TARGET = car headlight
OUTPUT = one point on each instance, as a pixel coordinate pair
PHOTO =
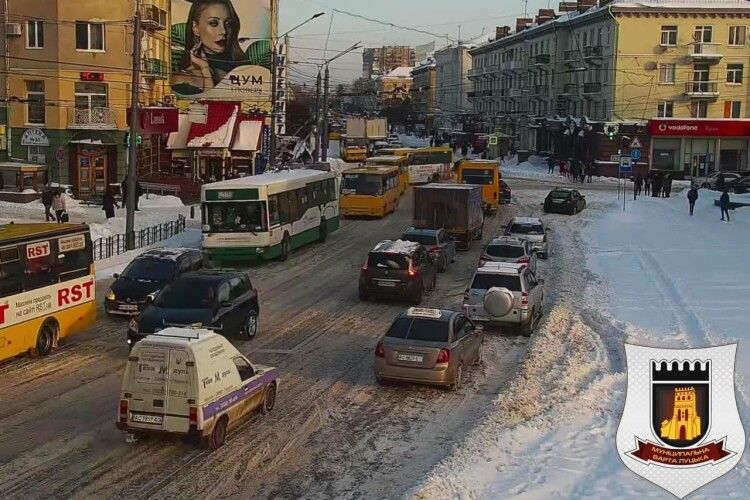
(133, 325)
(110, 295)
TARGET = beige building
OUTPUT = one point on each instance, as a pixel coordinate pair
(69, 80)
(423, 92)
(453, 66)
(395, 86)
(378, 61)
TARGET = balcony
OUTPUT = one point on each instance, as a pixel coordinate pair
(92, 119)
(592, 88)
(541, 90)
(516, 65)
(486, 93)
(503, 92)
(516, 92)
(475, 72)
(155, 69)
(153, 18)
(471, 95)
(705, 52)
(593, 53)
(542, 59)
(570, 89)
(572, 56)
(702, 90)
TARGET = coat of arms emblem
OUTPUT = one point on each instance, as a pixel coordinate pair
(680, 428)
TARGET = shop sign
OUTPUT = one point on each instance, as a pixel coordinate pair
(34, 137)
(156, 120)
(700, 128)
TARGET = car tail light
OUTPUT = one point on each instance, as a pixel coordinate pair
(444, 356)
(193, 417)
(379, 350)
(412, 271)
(123, 410)
(524, 300)
(364, 264)
(523, 260)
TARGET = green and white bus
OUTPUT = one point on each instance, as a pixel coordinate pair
(266, 216)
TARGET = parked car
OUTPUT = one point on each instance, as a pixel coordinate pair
(437, 242)
(532, 230)
(429, 346)
(212, 386)
(146, 274)
(505, 294)
(740, 186)
(714, 181)
(509, 249)
(397, 269)
(217, 299)
(564, 201)
(505, 192)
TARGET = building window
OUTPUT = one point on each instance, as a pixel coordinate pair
(90, 36)
(666, 73)
(35, 103)
(700, 109)
(666, 109)
(737, 35)
(732, 109)
(90, 95)
(734, 73)
(703, 34)
(37, 154)
(668, 36)
(35, 34)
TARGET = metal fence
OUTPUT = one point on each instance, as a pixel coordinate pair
(109, 246)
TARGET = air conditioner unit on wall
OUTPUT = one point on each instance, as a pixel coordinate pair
(12, 29)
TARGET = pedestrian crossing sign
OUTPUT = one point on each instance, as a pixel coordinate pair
(635, 143)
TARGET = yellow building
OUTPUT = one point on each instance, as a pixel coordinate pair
(685, 424)
(395, 87)
(69, 81)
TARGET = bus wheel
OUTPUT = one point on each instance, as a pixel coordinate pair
(323, 230)
(286, 247)
(45, 339)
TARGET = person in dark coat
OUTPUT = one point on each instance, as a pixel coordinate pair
(47, 196)
(637, 186)
(589, 173)
(692, 196)
(550, 165)
(724, 204)
(647, 185)
(656, 186)
(109, 204)
(667, 186)
(583, 172)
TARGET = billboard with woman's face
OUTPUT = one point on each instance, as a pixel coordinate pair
(221, 49)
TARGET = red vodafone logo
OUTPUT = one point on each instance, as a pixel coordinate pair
(663, 127)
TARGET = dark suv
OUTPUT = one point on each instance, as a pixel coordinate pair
(146, 274)
(397, 269)
(223, 300)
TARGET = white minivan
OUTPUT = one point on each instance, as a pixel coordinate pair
(191, 382)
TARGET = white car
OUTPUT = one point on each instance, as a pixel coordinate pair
(532, 230)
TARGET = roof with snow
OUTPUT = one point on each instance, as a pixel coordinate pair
(400, 72)
(268, 178)
(218, 130)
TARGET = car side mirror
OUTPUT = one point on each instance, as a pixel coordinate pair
(116, 275)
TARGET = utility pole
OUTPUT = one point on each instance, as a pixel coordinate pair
(324, 128)
(272, 146)
(133, 134)
(316, 151)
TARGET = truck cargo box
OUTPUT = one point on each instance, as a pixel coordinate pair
(457, 208)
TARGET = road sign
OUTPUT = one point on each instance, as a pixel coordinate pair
(635, 143)
(626, 164)
(614, 158)
(60, 155)
(493, 140)
(635, 154)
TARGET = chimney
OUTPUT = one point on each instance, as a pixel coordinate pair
(501, 32)
(545, 15)
(584, 5)
(567, 7)
(522, 23)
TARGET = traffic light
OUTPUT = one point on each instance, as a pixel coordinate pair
(611, 133)
(138, 139)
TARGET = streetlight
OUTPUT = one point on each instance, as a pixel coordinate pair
(274, 56)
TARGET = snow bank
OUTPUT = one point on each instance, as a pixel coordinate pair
(157, 201)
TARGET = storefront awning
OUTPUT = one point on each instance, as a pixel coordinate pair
(218, 130)
(92, 137)
(248, 136)
(178, 140)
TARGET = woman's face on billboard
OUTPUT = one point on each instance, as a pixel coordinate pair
(212, 27)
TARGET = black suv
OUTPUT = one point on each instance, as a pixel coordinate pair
(146, 274)
(401, 269)
(222, 300)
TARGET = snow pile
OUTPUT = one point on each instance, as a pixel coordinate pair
(157, 201)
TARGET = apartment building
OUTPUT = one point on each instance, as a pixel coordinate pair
(69, 85)
(395, 86)
(563, 80)
(379, 61)
(452, 67)
(424, 83)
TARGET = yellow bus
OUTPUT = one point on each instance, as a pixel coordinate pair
(370, 191)
(429, 164)
(351, 150)
(485, 173)
(47, 286)
(393, 161)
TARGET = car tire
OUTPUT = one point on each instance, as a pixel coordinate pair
(323, 230)
(527, 329)
(480, 355)
(363, 295)
(434, 283)
(250, 328)
(270, 400)
(443, 264)
(45, 340)
(381, 381)
(219, 433)
(286, 247)
(457, 378)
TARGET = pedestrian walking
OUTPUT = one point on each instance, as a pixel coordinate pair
(656, 186)
(583, 173)
(47, 196)
(667, 186)
(109, 204)
(692, 196)
(590, 173)
(58, 205)
(550, 165)
(724, 204)
(647, 185)
(637, 186)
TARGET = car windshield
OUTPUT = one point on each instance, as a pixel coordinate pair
(150, 269)
(425, 330)
(485, 281)
(423, 239)
(238, 217)
(187, 294)
(509, 251)
(388, 261)
(474, 176)
(563, 195)
(364, 184)
(519, 228)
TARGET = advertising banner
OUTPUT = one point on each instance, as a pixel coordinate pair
(700, 128)
(221, 49)
(156, 120)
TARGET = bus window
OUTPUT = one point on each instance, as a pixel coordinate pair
(440, 157)
(39, 271)
(285, 214)
(240, 217)
(11, 272)
(363, 184)
(478, 176)
(273, 210)
(75, 261)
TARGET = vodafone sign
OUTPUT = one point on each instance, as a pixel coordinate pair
(700, 128)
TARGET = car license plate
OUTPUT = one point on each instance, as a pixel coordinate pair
(147, 419)
(128, 307)
(416, 358)
(387, 283)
